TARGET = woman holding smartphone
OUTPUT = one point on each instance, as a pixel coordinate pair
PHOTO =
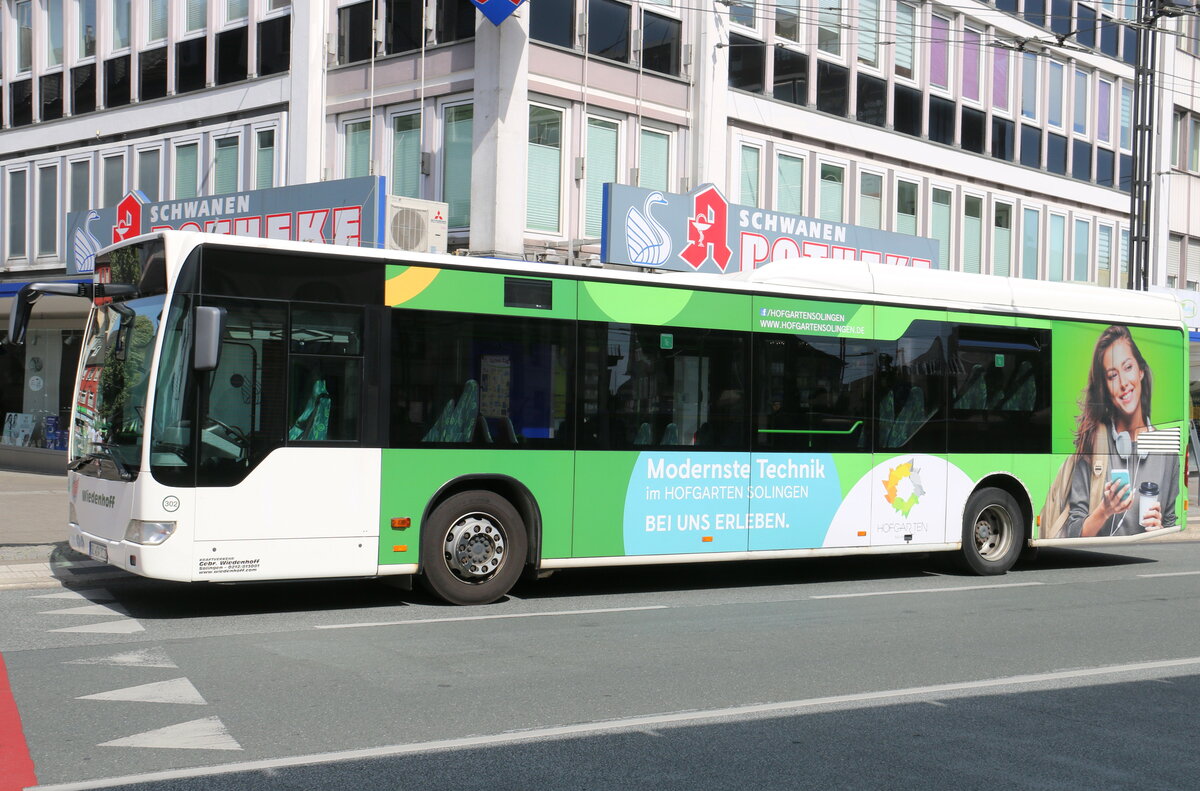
(1137, 490)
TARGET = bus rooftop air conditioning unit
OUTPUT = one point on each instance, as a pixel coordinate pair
(418, 226)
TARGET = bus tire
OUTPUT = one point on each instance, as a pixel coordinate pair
(473, 548)
(993, 532)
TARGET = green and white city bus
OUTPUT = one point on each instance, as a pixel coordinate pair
(259, 410)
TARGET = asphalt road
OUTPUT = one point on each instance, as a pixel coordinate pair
(1079, 671)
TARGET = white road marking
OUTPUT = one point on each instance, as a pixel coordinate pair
(123, 626)
(927, 590)
(91, 594)
(147, 657)
(1172, 574)
(90, 609)
(206, 734)
(178, 690)
(607, 726)
(416, 621)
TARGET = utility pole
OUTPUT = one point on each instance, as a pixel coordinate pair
(1144, 109)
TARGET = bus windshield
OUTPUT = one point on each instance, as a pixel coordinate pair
(110, 406)
(116, 361)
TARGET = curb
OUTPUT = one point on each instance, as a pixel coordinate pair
(63, 567)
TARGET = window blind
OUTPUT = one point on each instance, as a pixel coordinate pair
(406, 156)
(1030, 245)
(789, 184)
(905, 28)
(225, 166)
(1193, 262)
(1104, 255)
(655, 163)
(196, 15)
(456, 172)
(185, 171)
(1083, 250)
(601, 168)
(973, 235)
(868, 31)
(264, 159)
(358, 149)
(750, 166)
(544, 182)
(940, 221)
(1002, 241)
(1056, 246)
(831, 193)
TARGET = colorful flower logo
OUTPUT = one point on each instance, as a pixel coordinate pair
(891, 485)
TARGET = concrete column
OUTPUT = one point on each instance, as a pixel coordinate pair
(710, 92)
(501, 135)
(306, 98)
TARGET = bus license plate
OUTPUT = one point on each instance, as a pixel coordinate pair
(98, 551)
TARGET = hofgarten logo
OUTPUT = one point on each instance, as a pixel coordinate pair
(892, 484)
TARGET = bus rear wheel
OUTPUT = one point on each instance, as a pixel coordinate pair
(993, 532)
(472, 548)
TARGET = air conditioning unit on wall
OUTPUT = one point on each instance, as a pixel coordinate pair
(417, 226)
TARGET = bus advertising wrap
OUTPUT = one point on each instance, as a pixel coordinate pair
(702, 232)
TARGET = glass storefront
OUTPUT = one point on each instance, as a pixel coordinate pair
(36, 389)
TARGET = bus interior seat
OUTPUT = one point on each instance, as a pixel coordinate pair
(887, 419)
(643, 435)
(1023, 393)
(510, 432)
(485, 433)
(437, 431)
(313, 422)
(973, 394)
(670, 435)
(461, 426)
(911, 417)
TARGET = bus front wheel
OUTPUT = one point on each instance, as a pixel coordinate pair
(993, 532)
(472, 548)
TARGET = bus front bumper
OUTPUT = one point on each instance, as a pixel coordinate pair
(144, 560)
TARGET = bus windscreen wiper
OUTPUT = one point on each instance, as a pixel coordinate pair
(110, 453)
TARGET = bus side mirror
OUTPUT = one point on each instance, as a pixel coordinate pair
(210, 326)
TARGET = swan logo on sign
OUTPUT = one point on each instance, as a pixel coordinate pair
(646, 240)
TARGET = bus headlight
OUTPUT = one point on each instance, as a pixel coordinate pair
(139, 532)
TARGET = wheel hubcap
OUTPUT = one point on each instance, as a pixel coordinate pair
(475, 547)
(993, 532)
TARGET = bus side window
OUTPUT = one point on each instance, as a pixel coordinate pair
(325, 374)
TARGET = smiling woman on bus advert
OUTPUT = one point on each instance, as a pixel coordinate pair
(1110, 486)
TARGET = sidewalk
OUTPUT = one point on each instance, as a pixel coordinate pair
(33, 534)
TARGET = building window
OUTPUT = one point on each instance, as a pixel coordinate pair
(1030, 243)
(1056, 250)
(85, 19)
(747, 63)
(1104, 255)
(80, 175)
(1002, 240)
(264, 159)
(23, 13)
(939, 221)
(187, 163)
(406, 155)
(654, 160)
(870, 200)
(455, 20)
(742, 12)
(156, 21)
(788, 19)
(791, 76)
(152, 65)
(906, 207)
(789, 184)
(18, 196)
(149, 166)
(226, 165)
(1104, 111)
(456, 170)
(601, 167)
(121, 18)
(939, 52)
(274, 45)
(112, 182)
(47, 210)
(1054, 94)
(1000, 66)
(1193, 265)
(195, 15)
(829, 26)
(1194, 144)
(54, 32)
(356, 161)
(543, 187)
(660, 43)
(1082, 91)
(972, 232)
(354, 37)
(553, 21)
(868, 32)
(608, 30)
(906, 24)
(1029, 86)
(970, 67)
(832, 192)
(1082, 250)
(1035, 12)
(1126, 117)
(404, 31)
(236, 10)
(751, 166)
